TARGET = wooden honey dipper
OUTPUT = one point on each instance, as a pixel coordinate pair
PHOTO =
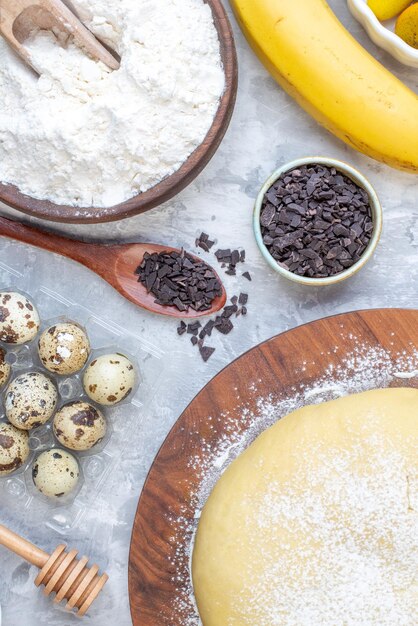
(61, 572)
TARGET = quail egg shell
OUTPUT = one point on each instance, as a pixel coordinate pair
(14, 448)
(55, 473)
(5, 368)
(64, 348)
(79, 426)
(30, 400)
(19, 319)
(109, 379)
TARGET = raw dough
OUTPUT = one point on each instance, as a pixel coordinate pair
(316, 524)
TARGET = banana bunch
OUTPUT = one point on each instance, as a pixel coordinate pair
(316, 60)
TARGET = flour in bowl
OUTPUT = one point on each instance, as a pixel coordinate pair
(84, 135)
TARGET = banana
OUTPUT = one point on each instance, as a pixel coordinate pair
(317, 61)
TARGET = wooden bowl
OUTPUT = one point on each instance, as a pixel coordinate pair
(160, 587)
(170, 186)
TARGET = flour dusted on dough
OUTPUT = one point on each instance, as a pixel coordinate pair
(316, 523)
(84, 135)
(358, 569)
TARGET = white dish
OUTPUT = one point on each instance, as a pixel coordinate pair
(383, 34)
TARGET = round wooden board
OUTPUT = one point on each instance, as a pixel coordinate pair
(293, 360)
(170, 186)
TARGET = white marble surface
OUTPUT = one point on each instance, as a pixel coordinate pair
(268, 129)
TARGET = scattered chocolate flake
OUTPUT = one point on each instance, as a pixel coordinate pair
(208, 327)
(206, 352)
(204, 242)
(315, 221)
(235, 258)
(204, 246)
(223, 325)
(193, 328)
(230, 258)
(247, 275)
(182, 328)
(223, 255)
(177, 279)
(229, 310)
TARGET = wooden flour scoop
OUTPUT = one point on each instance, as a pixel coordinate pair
(61, 572)
(19, 17)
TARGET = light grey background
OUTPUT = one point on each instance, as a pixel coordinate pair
(268, 129)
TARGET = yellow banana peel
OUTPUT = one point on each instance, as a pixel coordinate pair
(316, 60)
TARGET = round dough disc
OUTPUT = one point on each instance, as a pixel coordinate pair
(316, 523)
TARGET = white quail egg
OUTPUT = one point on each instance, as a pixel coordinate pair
(109, 379)
(79, 426)
(4, 368)
(30, 400)
(14, 448)
(64, 348)
(55, 473)
(19, 319)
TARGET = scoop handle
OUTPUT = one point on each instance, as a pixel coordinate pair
(17, 17)
(23, 548)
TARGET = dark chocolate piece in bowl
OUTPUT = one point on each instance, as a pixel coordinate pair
(317, 221)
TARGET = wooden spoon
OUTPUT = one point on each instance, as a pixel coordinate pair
(116, 263)
(19, 17)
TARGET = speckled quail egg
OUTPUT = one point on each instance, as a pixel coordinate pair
(109, 379)
(64, 348)
(19, 319)
(30, 400)
(55, 473)
(14, 448)
(79, 426)
(5, 368)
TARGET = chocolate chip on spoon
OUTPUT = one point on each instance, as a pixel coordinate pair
(178, 279)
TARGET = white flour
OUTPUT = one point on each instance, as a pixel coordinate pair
(84, 135)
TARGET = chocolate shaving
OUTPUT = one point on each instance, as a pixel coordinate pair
(315, 221)
(180, 280)
(206, 352)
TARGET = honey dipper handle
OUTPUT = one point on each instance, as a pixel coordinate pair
(22, 548)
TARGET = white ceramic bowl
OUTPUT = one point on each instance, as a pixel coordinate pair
(377, 216)
(382, 35)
